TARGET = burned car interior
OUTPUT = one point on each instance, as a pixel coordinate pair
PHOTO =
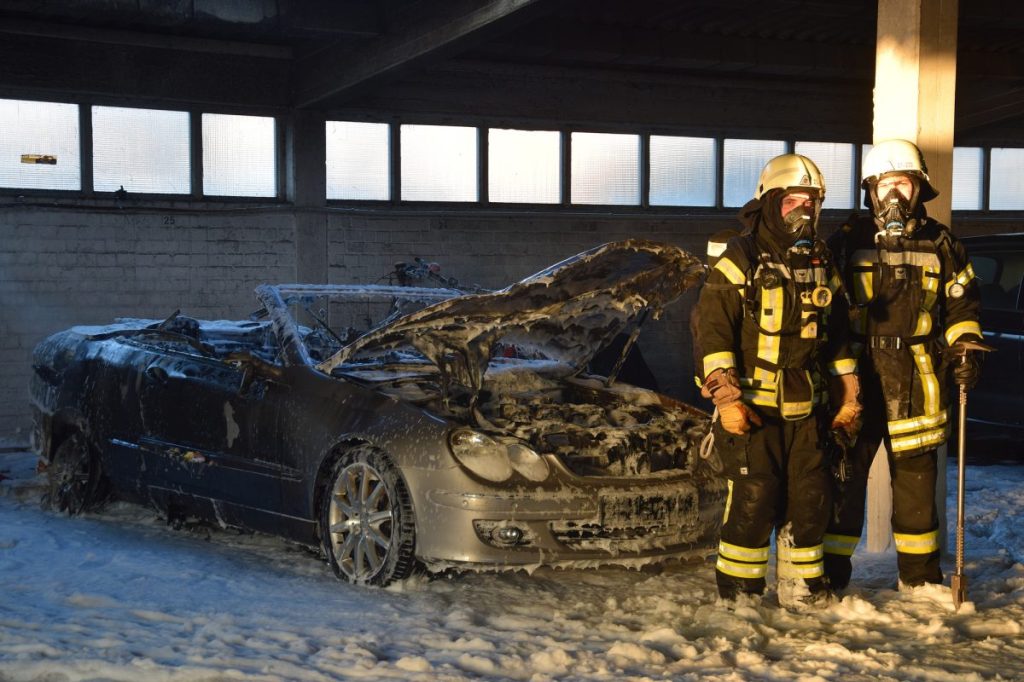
(395, 426)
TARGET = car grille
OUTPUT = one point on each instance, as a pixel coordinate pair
(634, 523)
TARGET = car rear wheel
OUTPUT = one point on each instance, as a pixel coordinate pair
(366, 520)
(74, 478)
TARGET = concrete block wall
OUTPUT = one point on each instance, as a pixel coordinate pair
(64, 267)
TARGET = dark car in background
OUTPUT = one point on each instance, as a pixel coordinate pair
(995, 408)
(461, 431)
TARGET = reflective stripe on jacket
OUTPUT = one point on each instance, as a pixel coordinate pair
(781, 321)
(912, 298)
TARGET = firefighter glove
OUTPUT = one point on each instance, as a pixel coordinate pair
(844, 392)
(738, 418)
(722, 386)
(966, 368)
(847, 419)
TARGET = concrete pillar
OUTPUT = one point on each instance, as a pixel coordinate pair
(915, 85)
(306, 188)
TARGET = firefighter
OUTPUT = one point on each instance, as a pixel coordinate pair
(914, 295)
(770, 327)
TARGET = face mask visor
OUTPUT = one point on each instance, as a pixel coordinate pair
(894, 213)
(801, 222)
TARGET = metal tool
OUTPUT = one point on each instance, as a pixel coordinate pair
(958, 583)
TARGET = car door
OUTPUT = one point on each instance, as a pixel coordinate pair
(204, 431)
(998, 398)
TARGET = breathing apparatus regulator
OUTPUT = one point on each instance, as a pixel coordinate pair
(896, 215)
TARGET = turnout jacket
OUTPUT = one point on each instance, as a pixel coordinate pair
(779, 318)
(912, 297)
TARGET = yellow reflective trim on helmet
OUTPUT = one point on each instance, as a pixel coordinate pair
(731, 271)
(917, 543)
(842, 545)
(960, 328)
(748, 554)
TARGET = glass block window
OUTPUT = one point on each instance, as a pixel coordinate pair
(968, 170)
(358, 160)
(835, 161)
(682, 171)
(605, 168)
(39, 145)
(439, 163)
(239, 156)
(524, 166)
(1006, 184)
(146, 151)
(741, 165)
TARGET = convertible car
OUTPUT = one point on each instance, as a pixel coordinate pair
(461, 431)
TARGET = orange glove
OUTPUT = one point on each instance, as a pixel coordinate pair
(847, 419)
(737, 417)
(722, 386)
(844, 391)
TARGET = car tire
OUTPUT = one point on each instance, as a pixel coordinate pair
(74, 477)
(367, 523)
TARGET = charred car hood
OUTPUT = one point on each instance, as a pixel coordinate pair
(564, 314)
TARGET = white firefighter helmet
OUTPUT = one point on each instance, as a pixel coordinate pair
(897, 156)
(790, 171)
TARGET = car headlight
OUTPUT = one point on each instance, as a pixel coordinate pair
(532, 466)
(494, 461)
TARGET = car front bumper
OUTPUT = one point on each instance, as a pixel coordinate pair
(610, 522)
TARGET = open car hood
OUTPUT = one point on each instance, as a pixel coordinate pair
(564, 314)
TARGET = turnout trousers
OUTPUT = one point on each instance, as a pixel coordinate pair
(914, 518)
(778, 475)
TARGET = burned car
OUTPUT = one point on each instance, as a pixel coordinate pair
(462, 431)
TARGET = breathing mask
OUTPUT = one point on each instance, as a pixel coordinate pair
(797, 227)
(800, 222)
(894, 213)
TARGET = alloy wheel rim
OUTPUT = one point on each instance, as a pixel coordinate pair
(72, 479)
(360, 519)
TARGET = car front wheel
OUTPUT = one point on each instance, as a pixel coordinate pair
(366, 519)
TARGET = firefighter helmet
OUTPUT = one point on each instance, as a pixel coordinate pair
(790, 171)
(897, 156)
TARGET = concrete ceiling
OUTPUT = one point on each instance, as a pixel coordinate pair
(663, 63)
